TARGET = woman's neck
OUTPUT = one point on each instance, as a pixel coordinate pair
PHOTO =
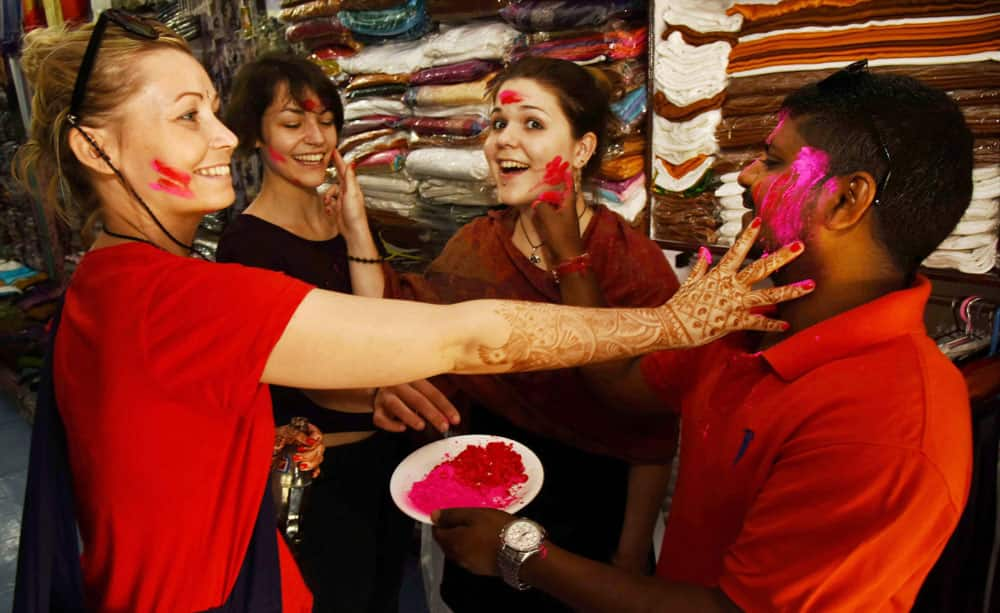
(138, 227)
(295, 208)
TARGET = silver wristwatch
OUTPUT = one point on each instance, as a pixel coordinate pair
(519, 540)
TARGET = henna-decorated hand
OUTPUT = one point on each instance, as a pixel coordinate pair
(713, 303)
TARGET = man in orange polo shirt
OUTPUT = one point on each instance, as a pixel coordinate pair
(822, 469)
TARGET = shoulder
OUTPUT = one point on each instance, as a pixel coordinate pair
(250, 240)
(900, 394)
(634, 270)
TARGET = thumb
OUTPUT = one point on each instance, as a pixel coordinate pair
(449, 518)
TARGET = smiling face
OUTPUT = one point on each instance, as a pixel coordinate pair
(784, 184)
(528, 129)
(297, 138)
(169, 142)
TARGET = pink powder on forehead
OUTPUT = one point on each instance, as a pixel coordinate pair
(509, 96)
(310, 105)
(480, 476)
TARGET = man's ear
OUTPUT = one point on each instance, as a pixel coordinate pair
(85, 152)
(584, 149)
(845, 200)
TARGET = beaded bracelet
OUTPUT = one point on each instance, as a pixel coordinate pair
(580, 263)
(352, 258)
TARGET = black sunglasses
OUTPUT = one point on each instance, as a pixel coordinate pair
(840, 80)
(126, 21)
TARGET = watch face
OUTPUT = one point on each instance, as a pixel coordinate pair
(523, 536)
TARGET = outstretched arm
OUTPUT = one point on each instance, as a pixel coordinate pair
(334, 340)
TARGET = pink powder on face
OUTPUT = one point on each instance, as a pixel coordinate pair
(275, 156)
(784, 205)
(509, 96)
(480, 476)
(172, 181)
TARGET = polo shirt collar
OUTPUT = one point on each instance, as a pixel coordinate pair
(895, 314)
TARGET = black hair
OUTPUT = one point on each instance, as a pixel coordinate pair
(859, 118)
(254, 88)
(582, 94)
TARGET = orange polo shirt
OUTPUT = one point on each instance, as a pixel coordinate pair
(824, 474)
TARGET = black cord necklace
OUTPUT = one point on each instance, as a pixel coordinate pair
(128, 237)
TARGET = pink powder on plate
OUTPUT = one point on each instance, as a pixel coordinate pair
(480, 476)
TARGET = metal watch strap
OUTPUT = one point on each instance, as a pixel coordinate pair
(509, 561)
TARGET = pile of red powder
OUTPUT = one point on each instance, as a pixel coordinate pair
(480, 476)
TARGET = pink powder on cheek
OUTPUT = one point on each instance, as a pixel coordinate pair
(786, 200)
(509, 96)
(275, 156)
(480, 476)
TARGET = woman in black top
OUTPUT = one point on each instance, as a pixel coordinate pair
(286, 111)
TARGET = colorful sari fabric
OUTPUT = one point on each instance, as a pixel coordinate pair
(482, 262)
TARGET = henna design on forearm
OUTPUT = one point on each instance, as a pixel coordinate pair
(706, 307)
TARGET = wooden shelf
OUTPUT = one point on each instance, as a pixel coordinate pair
(692, 247)
(990, 279)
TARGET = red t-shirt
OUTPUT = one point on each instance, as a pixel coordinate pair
(824, 474)
(157, 376)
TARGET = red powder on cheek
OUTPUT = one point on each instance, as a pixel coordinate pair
(275, 156)
(172, 181)
(553, 198)
(555, 171)
(509, 96)
(480, 476)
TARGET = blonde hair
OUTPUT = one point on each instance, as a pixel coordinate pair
(51, 58)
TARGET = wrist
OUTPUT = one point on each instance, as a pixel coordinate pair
(575, 265)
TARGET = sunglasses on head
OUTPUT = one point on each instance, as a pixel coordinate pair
(126, 21)
(840, 81)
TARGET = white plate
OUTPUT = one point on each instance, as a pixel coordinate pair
(416, 466)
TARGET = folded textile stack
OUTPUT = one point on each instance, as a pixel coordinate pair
(950, 45)
(693, 42)
(972, 245)
(775, 47)
(425, 99)
(610, 36)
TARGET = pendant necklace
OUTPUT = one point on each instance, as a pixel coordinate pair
(534, 258)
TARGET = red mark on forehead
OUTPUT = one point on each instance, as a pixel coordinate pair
(509, 96)
(275, 156)
(172, 181)
(310, 104)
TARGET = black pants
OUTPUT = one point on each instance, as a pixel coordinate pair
(581, 506)
(354, 538)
